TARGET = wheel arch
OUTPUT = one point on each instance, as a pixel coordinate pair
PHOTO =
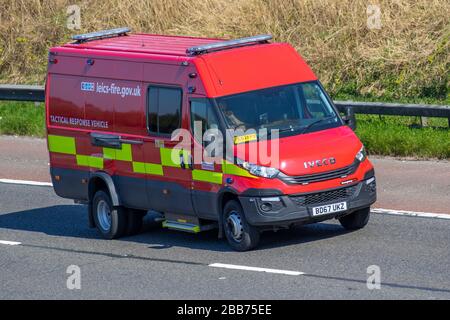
(102, 180)
(98, 181)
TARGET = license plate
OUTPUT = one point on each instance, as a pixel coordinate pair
(329, 208)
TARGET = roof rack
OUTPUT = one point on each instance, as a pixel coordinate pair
(197, 50)
(80, 38)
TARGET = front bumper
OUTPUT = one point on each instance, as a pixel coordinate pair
(286, 210)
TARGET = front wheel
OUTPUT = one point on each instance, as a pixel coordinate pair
(356, 220)
(240, 235)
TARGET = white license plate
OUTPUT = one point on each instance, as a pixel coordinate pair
(329, 208)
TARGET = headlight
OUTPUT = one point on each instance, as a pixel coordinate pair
(361, 155)
(265, 172)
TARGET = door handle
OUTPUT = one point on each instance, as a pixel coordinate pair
(189, 162)
(130, 141)
(182, 165)
(105, 140)
(110, 140)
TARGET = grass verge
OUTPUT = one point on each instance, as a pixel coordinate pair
(403, 136)
(385, 135)
(22, 118)
(407, 57)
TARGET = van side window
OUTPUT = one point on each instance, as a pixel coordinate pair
(164, 109)
(202, 117)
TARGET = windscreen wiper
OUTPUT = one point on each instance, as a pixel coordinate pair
(289, 129)
(316, 122)
(294, 128)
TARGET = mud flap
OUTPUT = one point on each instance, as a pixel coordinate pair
(91, 222)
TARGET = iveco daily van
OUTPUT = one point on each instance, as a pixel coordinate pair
(114, 100)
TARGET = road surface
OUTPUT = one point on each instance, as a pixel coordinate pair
(42, 235)
(413, 255)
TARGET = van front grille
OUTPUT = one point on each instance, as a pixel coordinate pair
(328, 175)
(341, 194)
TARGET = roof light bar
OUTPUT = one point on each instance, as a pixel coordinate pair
(101, 34)
(197, 50)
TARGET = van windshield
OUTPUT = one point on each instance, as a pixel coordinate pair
(291, 109)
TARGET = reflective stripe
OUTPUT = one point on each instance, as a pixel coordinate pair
(89, 161)
(153, 168)
(207, 176)
(166, 156)
(139, 167)
(123, 154)
(148, 168)
(217, 177)
(230, 168)
(67, 145)
(61, 144)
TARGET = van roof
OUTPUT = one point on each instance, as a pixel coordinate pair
(146, 43)
(252, 64)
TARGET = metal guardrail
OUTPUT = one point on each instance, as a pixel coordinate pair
(18, 92)
(392, 109)
(350, 108)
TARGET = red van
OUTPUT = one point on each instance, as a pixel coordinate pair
(114, 100)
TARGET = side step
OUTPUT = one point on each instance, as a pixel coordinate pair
(185, 223)
(181, 226)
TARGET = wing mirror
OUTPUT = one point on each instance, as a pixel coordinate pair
(349, 118)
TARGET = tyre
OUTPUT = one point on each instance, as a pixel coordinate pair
(134, 223)
(110, 221)
(240, 235)
(356, 220)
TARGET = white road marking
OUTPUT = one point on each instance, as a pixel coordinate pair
(10, 243)
(26, 182)
(236, 267)
(411, 213)
(374, 210)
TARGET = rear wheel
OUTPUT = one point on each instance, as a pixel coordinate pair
(356, 220)
(240, 235)
(135, 219)
(110, 221)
